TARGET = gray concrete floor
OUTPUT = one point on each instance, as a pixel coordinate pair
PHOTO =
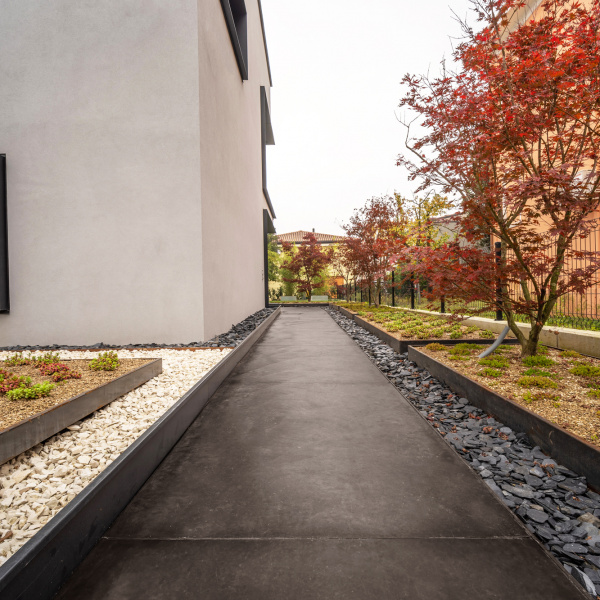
(309, 476)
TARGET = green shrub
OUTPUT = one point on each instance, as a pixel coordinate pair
(455, 335)
(536, 381)
(529, 397)
(28, 393)
(10, 381)
(487, 334)
(594, 393)
(435, 347)
(538, 361)
(542, 350)
(570, 354)
(583, 370)
(17, 360)
(45, 359)
(498, 362)
(536, 371)
(437, 333)
(458, 357)
(106, 361)
(490, 372)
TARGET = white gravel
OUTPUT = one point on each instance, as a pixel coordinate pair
(35, 485)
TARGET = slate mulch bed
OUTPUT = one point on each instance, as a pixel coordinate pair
(561, 386)
(14, 411)
(406, 324)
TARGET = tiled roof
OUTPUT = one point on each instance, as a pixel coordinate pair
(298, 237)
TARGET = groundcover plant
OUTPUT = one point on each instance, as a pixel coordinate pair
(562, 386)
(412, 325)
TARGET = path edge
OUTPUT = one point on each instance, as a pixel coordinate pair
(38, 569)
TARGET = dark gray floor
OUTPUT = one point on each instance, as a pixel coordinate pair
(309, 476)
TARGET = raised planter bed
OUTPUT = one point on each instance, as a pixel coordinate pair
(39, 568)
(24, 435)
(571, 450)
(401, 346)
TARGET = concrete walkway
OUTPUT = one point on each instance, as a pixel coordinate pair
(308, 476)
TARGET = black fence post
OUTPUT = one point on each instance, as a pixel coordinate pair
(369, 294)
(380, 296)
(412, 292)
(499, 315)
(393, 290)
(443, 305)
(361, 294)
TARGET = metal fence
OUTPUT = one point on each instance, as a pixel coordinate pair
(577, 311)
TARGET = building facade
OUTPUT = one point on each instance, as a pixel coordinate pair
(134, 136)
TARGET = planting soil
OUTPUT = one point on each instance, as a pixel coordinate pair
(408, 325)
(12, 411)
(561, 386)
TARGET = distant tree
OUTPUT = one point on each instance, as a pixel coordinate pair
(305, 264)
(273, 256)
(515, 135)
(374, 234)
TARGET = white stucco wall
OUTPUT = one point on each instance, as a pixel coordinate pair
(232, 197)
(134, 171)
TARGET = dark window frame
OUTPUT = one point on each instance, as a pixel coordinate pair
(236, 18)
(4, 291)
(266, 139)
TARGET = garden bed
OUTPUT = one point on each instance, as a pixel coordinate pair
(518, 411)
(13, 412)
(561, 386)
(26, 422)
(380, 326)
(404, 324)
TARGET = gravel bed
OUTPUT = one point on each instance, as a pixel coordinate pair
(37, 484)
(232, 338)
(555, 503)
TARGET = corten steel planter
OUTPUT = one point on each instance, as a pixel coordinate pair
(40, 567)
(401, 346)
(24, 435)
(567, 448)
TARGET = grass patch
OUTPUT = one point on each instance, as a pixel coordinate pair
(538, 361)
(491, 372)
(583, 370)
(435, 347)
(537, 372)
(570, 354)
(497, 362)
(536, 381)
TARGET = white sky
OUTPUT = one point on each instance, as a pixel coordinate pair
(337, 67)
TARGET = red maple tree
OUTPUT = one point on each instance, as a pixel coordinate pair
(306, 264)
(514, 134)
(374, 236)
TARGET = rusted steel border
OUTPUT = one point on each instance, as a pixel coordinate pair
(39, 568)
(31, 431)
(569, 449)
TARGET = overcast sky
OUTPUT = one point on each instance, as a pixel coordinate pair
(337, 67)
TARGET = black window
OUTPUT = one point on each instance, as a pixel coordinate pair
(4, 297)
(267, 139)
(237, 24)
